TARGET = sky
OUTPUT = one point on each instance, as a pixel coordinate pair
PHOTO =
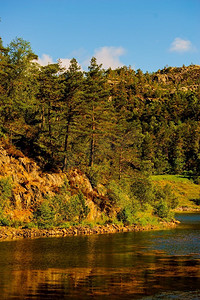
(144, 34)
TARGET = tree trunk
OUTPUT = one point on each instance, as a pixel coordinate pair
(65, 160)
(92, 145)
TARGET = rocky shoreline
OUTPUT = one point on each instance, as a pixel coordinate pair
(187, 209)
(9, 233)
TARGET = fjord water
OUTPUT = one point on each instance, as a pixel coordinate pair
(162, 264)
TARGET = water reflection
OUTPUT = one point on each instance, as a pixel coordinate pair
(126, 266)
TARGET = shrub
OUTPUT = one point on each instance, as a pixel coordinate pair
(5, 192)
(142, 189)
(162, 210)
(116, 194)
(126, 215)
(4, 221)
(5, 196)
(45, 215)
(76, 208)
(68, 207)
(165, 194)
(30, 225)
(93, 176)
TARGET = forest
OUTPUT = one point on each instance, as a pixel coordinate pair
(118, 127)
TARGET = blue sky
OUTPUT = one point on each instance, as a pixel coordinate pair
(145, 34)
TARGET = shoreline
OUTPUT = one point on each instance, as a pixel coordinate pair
(10, 234)
(182, 209)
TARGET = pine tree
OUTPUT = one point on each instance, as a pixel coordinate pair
(48, 111)
(20, 87)
(72, 108)
(98, 114)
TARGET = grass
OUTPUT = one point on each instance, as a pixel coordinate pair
(172, 178)
(184, 188)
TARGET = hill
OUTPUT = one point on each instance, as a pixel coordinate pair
(184, 188)
(81, 146)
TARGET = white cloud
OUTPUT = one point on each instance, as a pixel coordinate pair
(45, 60)
(180, 45)
(109, 57)
(64, 63)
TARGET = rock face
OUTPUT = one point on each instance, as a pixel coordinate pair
(30, 185)
(184, 76)
(78, 180)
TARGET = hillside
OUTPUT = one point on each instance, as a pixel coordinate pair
(185, 78)
(30, 196)
(82, 146)
(185, 190)
(108, 123)
(23, 187)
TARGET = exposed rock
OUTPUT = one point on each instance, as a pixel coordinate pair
(78, 180)
(30, 185)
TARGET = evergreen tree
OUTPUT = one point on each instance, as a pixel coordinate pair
(4, 67)
(72, 109)
(99, 113)
(48, 112)
(20, 87)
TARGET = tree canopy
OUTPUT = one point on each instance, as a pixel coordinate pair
(114, 121)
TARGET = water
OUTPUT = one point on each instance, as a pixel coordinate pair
(139, 265)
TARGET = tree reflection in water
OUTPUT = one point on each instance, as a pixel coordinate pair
(146, 265)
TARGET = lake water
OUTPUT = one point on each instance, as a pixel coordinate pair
(138, 265)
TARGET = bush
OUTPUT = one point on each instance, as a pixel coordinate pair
(93, 176)
(120, 195)
(142, 189)
(30, 225)
(76, 208)
(196, 179)
(165, 194)
(116, 194)
(162, 210)
(5, 192)
(45, 215)
(61, 208)
(126, 215)
(4, 221)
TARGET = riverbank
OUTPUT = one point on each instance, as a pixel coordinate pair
(186, 209)
(9, 233)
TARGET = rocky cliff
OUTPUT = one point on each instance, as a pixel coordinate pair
(30, 186)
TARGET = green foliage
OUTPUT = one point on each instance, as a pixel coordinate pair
(30, 225)
(166, 195)
(4, 220)
(45, 214)
(76, 208)
(61, 209)
(142, 189)
(94, 175)
(165, 201)
(120, 195)
(162, 210)
(5, 192)
(120, 126)
(115, 193)
(127, 215)
(5, 199)
(121, 119)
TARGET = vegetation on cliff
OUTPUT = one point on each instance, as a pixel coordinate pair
(82, 146)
